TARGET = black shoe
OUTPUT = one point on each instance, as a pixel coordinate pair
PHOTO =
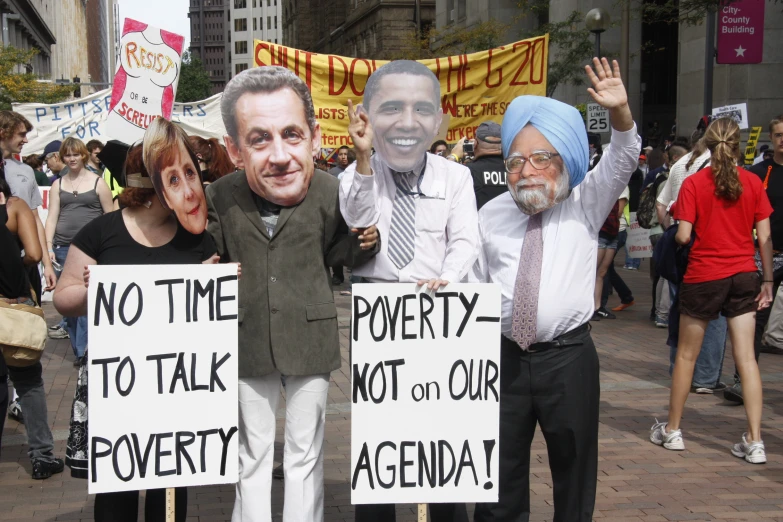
(596, 316)
(77, 362)
(336, 281)
(770, 349)
(43, 469)
(734, 393)
(277, 473)
(605, 314)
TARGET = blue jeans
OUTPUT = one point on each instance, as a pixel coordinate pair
(29, 384)
(709, 364)
(75, 326)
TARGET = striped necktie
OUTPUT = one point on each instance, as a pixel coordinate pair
(524, 317)
(403, 223)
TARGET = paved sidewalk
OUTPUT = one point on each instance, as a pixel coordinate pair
(637, 481)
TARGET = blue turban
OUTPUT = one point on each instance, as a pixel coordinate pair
(561, 124)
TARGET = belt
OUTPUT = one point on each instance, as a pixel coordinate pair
(570, 338)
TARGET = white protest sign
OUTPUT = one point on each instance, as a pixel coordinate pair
(85, 118)
(145, 82)
(597, 118)
(739, 112)
(162, 390)
(425, 394)
(638, 241)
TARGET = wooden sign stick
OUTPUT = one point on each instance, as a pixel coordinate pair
(422, 513)
(170, 505)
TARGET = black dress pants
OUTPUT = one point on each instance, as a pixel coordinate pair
(123, 506)
(386, 513)
(558, 389)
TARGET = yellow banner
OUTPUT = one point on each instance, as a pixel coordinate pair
(474, 88)
(750, 149)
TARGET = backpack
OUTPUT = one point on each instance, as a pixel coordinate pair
(645, 215)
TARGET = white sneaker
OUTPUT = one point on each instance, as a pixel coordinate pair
(58, 332)
(752, 452)
(671, 440)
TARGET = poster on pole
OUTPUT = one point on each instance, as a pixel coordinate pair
(425, 393)
(738, 112)
(638, 242)
(740, 32)
(145, 82)
(163, 376)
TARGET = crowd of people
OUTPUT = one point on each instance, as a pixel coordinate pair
(532, 203)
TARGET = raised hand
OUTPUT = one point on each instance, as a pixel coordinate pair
(359, 129)
(608, 89)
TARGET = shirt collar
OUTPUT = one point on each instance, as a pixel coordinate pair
(412, 175)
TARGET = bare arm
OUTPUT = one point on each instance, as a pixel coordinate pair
(53, 217)
(621, 206)
(104, 195)
(70, 297)
(764, 298)
(27, 231)
(684, 230)
(663, 215)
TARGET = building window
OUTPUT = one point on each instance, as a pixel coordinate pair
(240, 47)
(240, 4)
(269, 22)
(275, 22)
(240, 67)
(254, 4)
(255, 24)
(240, 24)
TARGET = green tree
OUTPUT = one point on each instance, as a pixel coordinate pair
(25, 87)
(194, 83)
(570, 45)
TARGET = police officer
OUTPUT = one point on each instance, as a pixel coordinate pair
(488, 169)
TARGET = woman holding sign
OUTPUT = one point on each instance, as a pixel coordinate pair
(145, 231)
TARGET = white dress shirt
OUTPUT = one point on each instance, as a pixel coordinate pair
(446, 243)
(677, 174)
(570, 235)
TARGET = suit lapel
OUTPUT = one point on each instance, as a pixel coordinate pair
(244, 198)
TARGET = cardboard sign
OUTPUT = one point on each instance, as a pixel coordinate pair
(638, 240)
(738, 112)
(741, 32)
(750, 148)
(145, 82)
(163, 376)
(597, 118)
(425, 393)
(474, 87)
(85, 118)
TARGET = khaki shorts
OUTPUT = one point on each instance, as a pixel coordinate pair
(732, 296)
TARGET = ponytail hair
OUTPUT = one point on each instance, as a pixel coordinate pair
(723, 140)
(215, 157)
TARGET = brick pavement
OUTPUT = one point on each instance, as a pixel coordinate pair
(637, 481)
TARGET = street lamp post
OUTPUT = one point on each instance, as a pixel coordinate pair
(597, 21)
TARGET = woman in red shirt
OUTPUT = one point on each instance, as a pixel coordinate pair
(720, 205)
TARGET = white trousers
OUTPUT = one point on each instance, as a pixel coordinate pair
(303, 459)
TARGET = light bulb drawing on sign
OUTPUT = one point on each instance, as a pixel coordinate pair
(145, 82)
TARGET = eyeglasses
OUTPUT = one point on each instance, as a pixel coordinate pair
(50, 156)
(540, 159)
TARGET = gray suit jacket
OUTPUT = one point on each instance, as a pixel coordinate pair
(287, 315)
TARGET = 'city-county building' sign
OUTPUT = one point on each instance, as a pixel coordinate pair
(741, 32)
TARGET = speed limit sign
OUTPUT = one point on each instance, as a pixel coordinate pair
(597, 118)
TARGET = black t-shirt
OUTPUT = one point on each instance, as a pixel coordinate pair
(107, 240)
(13, 274)
(635, 188)
(773, 173)
(489, 178)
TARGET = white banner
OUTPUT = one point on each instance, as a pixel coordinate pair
(163, 376)
(85, 118)
(425, 393)
(638, 241)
